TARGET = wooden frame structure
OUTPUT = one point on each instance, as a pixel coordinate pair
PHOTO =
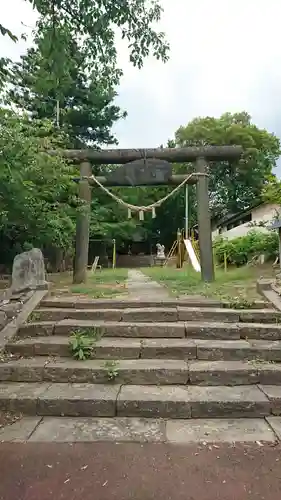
(199, 155)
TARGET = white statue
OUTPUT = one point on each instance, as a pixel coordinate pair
(160, 251)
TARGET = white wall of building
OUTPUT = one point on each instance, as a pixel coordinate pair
(264, 213)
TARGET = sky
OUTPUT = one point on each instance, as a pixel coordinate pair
(225, 56)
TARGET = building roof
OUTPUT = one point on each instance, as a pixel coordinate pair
(233, 217)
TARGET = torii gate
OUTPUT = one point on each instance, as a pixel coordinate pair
(147, 167)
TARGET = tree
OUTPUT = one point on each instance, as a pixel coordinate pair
(72, 73)
(4, 61)
(272, 190)
(96, 21)
(70, 76)
(37, 194)
(234, 185)
(65, 89)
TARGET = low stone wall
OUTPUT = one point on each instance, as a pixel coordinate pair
(11, 305)
(134, 261)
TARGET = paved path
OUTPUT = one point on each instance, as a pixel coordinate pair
(107, 471)
(142, 287)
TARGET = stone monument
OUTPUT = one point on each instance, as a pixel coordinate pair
(160, 251)
(29, 272)
(160, 258)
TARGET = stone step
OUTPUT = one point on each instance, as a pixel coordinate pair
(191, 329)
(141, 371)
(144, 430)
(98, 400)
(189, 301)
(107, 329)
(160, 314)
(106, 348)
(169, 348)
(80, 303)
(126, 371)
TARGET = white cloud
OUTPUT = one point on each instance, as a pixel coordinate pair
(225, 56)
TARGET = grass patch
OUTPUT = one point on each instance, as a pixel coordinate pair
(107, 283)
(236, 283)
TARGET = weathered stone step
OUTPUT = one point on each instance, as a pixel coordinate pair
(169, 348)
(126, 371)
(106, 348)
(192, 402)
(80, 303)
(107, 329)
(158, 314)
(141, 371)
(97, 400)
(143, 430)
(191, 329)
(234, 373)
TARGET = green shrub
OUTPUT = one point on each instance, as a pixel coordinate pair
(241, 250)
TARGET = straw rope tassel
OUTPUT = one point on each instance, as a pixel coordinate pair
(135, 208)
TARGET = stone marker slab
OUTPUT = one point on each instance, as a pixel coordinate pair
(212, 330)
(29, 271)
(153, 314)
(223, 373)
(153, 401)
(20, 431)
(79, 400)
(219, 431)
(206, 314)
(169, 348)
(68, 430)
(273, 393)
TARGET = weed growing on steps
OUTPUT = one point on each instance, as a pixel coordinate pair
(33, 317)
(82, 343)
(239, 302)
(111, 367)
(261, 361)
(80, 346)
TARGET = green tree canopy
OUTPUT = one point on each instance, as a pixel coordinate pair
(37, 196)
(96, 22)
(65, 88)
(234, 185)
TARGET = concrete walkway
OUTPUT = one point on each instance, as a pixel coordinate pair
(141, 287)
(108, 471)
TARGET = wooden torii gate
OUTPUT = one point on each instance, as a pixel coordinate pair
(134, 173)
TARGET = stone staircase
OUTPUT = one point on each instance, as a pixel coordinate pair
(169, 360)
